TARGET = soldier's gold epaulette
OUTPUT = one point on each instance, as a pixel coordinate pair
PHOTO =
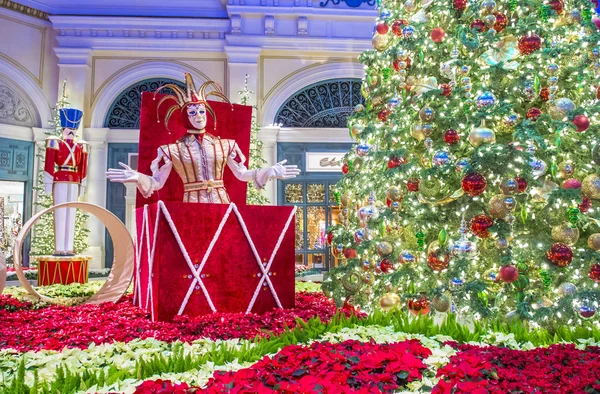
(52, 142)
(85, 146)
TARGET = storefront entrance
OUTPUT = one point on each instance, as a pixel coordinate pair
(314, 198)
(16, 175)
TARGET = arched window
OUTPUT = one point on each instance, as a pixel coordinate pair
(124, 113)
(326, 104)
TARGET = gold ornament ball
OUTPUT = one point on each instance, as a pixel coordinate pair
(561, 108)
(427, 114)
(498, 207)
(381, 41)
(345, 199)
(482, 135)
(565, 233)
(417, 132)
(384, 248)
(566, 169)
(393, 193)
(377, 100)
(591, 186)
(389, 301)
(357, 128)
(441, 303)
(594, 241)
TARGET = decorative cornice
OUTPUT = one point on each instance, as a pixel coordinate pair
(126, 33)
(22, 9)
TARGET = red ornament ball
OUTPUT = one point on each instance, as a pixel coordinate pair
(556, 5)
(509, 273)
(386, 266)
(560, 254)
(446, 90)
(451, 137)
(522, 184)
(530, 44)
(383, 115)
(478, 25)
(329, 238)
(397, 27)
(474, 184)
(413, 185)
(533, 113)
(437, 35)
(408, 62)
(382, 28)
(438, 260)
(571, 183)
(350, 254)
(345, 168)
(585, 205)
(419, 306)
(544, 94)
(501, 22)
(480, 225)
(581, 122)
(594, 273)
(459, 5)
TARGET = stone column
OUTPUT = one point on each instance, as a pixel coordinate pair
(96, 190)
(74, 67)
(39, 137)
(268, 136)
(242, 61)
(130, 197)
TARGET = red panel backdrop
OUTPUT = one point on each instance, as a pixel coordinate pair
(233, 122)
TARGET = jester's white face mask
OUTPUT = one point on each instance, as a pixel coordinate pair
(69, 134)
(197, 116)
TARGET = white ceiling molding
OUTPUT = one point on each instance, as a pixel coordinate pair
(159, 8)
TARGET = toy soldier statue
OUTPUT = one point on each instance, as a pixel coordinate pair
(65, 172)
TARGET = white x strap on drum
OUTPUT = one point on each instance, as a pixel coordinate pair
(265, 270)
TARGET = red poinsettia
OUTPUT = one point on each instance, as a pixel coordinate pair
(56, 327)
(347, 367)
(557, 369)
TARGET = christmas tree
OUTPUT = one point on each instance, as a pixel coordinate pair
(43, 231)
(254, 196)
(473, 184)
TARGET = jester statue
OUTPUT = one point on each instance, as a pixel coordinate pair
(199, 158)
(65, 173)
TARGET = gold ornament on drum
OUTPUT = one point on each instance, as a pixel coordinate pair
(566, 169)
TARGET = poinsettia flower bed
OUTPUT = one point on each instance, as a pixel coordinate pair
(350, 366)
(57, 327)
(556, 369)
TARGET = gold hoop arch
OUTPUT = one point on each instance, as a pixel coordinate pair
(124, 251)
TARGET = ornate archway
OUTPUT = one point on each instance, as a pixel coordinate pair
(326, 104)
(124, 112)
